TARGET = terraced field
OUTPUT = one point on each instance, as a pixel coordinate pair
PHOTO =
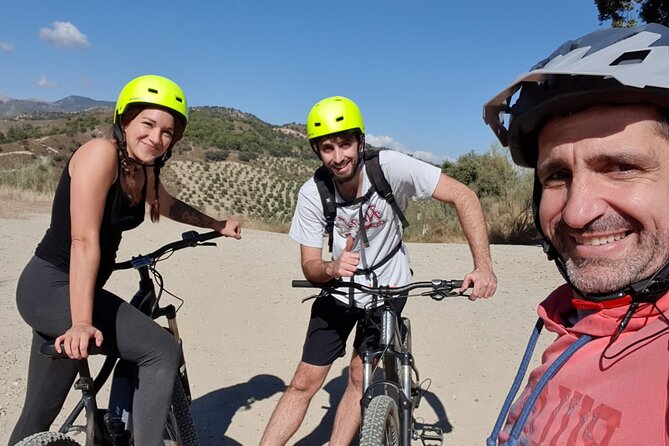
(264, 190)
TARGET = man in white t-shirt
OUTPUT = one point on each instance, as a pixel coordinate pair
(367, 246)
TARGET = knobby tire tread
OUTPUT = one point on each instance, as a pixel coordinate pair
(48, 439)
(180, 419)
(381, 426)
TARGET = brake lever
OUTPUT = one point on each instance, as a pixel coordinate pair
(439, 295)
(316, 296)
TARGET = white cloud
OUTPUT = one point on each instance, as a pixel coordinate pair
(430, 157)
(44, 82)
(64, 34)
(6, 46)
(385, 141)
(390, 143)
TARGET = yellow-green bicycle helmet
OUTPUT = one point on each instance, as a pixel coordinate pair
(332, 115)
(156, 90)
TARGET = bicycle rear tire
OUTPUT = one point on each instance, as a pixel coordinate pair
(179, 426)
(48, 439)
(381, 426)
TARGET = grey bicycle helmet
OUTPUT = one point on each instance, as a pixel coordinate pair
(610, 66)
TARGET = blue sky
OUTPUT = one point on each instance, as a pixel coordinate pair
(419, 70)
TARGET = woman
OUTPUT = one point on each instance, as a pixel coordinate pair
(101, 193)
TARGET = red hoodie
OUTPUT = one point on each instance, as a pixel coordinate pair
(592, 400)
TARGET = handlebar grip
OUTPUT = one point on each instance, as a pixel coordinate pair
(123, 265)
(303, 284)
(458, 283)
(205, 236)
(48, 349)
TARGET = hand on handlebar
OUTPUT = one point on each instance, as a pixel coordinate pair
(346, 264)
(229, 228)
(484, 283)
(75, 340)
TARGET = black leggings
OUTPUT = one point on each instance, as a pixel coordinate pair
(42, 297)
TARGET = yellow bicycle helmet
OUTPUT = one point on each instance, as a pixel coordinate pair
(156, 90)
(332, 115)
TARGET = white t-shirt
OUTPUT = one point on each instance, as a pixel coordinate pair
(409, 178)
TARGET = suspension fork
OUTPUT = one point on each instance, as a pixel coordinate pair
(391, 338)
(146, 300)
(405, 398)
(402, 388)
(368, 359)
(170, 314)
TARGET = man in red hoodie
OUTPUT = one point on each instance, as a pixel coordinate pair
(592, 120)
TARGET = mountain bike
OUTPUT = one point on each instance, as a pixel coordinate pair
(388, 403)
(113, 426)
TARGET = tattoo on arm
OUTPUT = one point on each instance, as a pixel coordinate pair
(184, 213)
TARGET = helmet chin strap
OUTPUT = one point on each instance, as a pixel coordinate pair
(646, 290)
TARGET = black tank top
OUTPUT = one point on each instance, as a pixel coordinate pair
(118, 216)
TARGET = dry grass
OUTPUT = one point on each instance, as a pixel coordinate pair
(262, 195)
(18, 203)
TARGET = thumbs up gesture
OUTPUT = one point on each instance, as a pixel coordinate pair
(349, 243)
(347, 262)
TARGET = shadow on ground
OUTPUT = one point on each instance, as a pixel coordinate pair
(214, 411)
(335, 388)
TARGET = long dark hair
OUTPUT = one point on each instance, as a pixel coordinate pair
(128, 166)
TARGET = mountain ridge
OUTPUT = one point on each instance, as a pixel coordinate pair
(11, 108)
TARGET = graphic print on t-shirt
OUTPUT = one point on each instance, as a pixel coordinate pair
(350, 226)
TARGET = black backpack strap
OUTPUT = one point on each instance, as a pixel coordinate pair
(326, 191)
(379, 182)
(371, 271)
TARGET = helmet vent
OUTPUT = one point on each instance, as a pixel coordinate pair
(178, 99)
(153, 90)
(631, 57)
(339, 118)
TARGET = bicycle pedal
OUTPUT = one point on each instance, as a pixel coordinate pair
(431, 436)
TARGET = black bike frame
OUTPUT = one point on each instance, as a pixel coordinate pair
(390, 342)
(146, 300)
(394, 357)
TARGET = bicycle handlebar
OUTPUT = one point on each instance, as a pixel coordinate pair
(188, 239)
(438, 288)
(49, 349)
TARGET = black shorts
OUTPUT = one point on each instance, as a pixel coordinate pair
(330, 325)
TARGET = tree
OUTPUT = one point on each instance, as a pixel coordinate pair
(624, 13)
(489, 174)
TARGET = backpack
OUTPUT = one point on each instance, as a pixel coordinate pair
(380, 185)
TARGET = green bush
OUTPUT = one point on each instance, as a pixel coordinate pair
(216, 155)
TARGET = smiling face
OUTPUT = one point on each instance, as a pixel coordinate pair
(149, 134)
(605, 195)
(339, 154)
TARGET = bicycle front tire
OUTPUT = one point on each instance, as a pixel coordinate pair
(381, 426)
(179, 427)
(48, 439)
